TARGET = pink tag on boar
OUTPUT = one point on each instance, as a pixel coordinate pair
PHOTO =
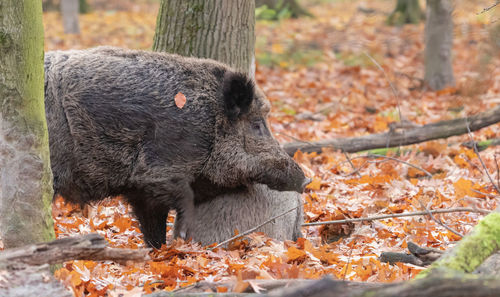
(180, 100)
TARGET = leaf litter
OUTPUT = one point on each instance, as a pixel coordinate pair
(318, 67)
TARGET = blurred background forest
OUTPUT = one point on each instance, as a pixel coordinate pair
(341, 69)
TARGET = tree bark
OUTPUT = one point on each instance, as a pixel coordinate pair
(220, 30)
(26, 179)
(423, 133)
(406, 12)
(438, 44)
(69, 11)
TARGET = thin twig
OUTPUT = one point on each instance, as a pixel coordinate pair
(399, 215)
(354, 169)
(484, 194)
(474, 146)
(488, 8)
(357, 169)
(372, 156)
(439, 221)
(349, 160)
(348, 263)
(401, 161)
(253, 229)
(498, 169)
(394, 91)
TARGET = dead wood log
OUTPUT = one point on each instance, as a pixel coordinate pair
(266, 285)
(437, 285)
(24, 270)
(418, 255)
(442, 129)
(86, 247)
(31, 281)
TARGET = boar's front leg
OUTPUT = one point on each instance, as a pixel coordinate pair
(153, 200)
(152, 220)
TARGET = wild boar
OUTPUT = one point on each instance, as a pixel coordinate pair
(115, 129)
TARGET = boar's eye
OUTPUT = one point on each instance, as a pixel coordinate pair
(259, 128)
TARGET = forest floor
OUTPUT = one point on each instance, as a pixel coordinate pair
(327, 77)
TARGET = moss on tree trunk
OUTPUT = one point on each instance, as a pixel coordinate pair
(472, 250)
(26, 180)
(406, 12)
(220, 30)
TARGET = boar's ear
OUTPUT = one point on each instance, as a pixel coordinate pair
(238, 92)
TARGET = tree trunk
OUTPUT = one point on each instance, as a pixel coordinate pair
(220, 30)
(26, 180)
(294, 8)
(438, 44)
(69, 11)
(406, 12)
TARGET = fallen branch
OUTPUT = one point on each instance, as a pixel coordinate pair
(418, 255)
(437, 285)
(86, 247)
(265, 284)
(419, 134)
(481, 160)
(398, 215)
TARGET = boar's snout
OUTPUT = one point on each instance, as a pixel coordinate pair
(298, 181)
(290, 179)
(305, 183)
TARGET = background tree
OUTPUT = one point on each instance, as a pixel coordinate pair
(290, 8)
(406, 12)
(438, 44)
(49, 5)
(221, 30)
(26, 180)
(69, 11)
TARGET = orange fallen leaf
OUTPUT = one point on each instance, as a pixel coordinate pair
(294, 254)
(315, 185)
(180, 100)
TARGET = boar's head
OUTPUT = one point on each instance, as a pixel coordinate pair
(244, 149)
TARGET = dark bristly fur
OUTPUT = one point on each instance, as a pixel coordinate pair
(114, 129)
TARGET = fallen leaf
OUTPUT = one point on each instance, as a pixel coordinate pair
(180, 100)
